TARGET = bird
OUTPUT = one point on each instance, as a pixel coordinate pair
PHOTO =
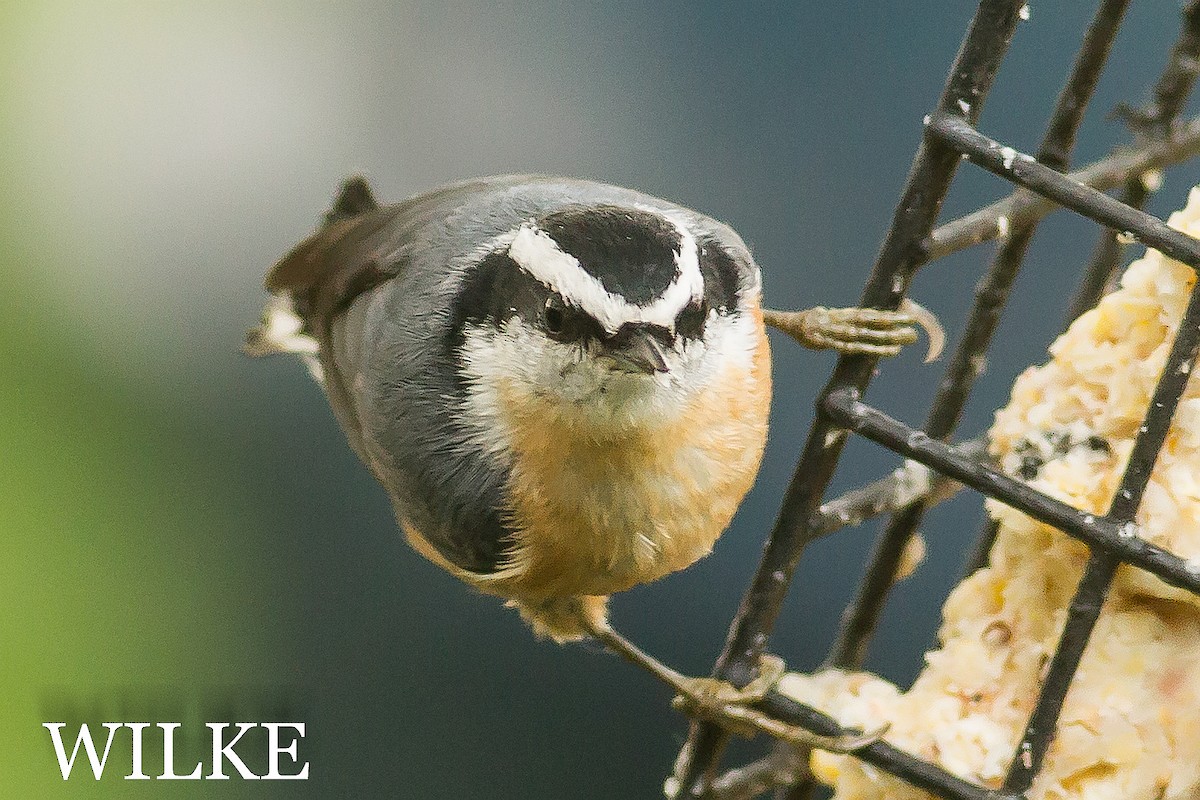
(562, 385)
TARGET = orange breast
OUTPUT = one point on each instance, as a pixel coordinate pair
(598, 516)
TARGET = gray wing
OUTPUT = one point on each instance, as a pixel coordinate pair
(392, 387)
(357, 247)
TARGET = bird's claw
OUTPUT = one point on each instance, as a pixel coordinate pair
(725, 703)
(721, 702)
(712, 692)
(860, 331)
(730, 707)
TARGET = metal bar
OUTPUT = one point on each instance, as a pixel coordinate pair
(982, 549)
(991, 297)
(933, 167)
(1081, 620)
(910, 769)
(1089, 597)
(1170, 94)
(1111, 537)
(1106, 256)
(1173, 87)
(991, 222)
(845, 409)
(1156, 120)
(1022, 169)
(1059, 141)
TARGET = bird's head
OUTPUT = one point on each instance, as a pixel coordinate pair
(610, 316)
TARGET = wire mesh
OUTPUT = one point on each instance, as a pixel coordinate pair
(950, 135)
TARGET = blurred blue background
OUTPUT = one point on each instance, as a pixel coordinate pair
(185, 532)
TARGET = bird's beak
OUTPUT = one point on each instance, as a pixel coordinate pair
(635, 350)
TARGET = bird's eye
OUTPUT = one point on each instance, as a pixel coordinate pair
(554, 316)
(690, 322)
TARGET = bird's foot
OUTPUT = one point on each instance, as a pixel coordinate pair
(699, 693)
(722, 702)
(860, 331)
(732, 709)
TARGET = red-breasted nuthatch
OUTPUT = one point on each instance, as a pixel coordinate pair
(562, 385)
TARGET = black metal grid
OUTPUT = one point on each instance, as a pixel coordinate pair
(950, 136)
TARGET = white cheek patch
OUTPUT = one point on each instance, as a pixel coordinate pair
(539, 255)
(492, 359)
(583, 391)
(730, 341)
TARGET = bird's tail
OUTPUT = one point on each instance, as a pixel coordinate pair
(282, 331)
(355, 197)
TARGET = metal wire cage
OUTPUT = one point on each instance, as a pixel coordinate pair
(950, 136)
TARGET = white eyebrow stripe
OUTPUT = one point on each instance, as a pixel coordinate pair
(540, 256)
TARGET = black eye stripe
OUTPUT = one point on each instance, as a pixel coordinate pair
(498, 289)
(691, 320)
(721, 276)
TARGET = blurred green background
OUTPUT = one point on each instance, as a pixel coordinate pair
(186, 537)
